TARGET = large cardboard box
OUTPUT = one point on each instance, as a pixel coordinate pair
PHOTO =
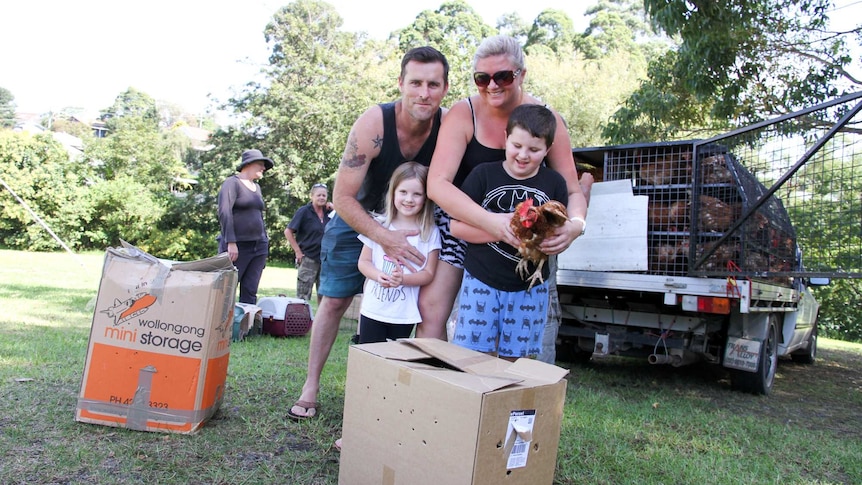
(424, 411)
(159, 343)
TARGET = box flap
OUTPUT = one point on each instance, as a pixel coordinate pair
(213, 264)
(534, 369)
(466, 360)
(479, 372)
(473, 382)
(394, 352)
(484, 365)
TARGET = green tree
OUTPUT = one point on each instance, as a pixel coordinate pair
(132, 103)
(7, 108)
(111, 210)
(554, 30)
(40, 172)
(618, 25)
(138, 149)
(739, 61)
(456, 30)
(585, 92)
(513, 25)
(827, 224)
(319, 79)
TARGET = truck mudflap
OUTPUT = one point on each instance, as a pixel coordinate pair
(742, 354)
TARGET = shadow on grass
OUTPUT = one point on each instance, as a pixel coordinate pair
(824, 397)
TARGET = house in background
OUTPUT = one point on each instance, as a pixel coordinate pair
(30, 123)
(199, 137)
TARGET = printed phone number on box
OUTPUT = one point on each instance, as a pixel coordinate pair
(128, 401)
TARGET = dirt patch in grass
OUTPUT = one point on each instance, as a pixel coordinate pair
(826, 396)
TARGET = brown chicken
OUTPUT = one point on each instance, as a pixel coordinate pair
(670, 256)
(714, 170)
(716, 215)
(531, 226)
(719, 259)
(670, 168)
(668, 216)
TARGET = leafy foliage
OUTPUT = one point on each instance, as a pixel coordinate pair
(132, 104)
(456, 30)
(840, 316)
(740, 61)
(7, 108)
(40, 172)
(554, 30)
(111, 210)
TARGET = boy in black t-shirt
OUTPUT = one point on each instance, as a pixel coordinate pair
(498, 312)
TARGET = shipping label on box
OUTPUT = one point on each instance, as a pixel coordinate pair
(424, 411)
(159, 343)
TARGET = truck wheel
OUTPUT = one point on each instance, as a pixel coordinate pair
(809, 355)
(760, 382)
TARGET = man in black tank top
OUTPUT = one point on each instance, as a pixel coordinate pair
(382, 138)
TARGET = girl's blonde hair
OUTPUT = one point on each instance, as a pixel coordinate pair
(407, 171)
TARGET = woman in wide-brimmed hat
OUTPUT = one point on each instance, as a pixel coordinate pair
(240, 214)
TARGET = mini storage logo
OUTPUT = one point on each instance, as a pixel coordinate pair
(124, 310)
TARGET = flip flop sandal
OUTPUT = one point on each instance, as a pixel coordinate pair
(310, 409)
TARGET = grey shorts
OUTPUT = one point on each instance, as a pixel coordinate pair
(453, 249)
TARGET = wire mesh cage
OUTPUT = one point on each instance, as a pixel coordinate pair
(798, 178)
(663, 172)
(751, 202)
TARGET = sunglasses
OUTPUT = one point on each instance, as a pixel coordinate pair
(501, 78)
(318, 186)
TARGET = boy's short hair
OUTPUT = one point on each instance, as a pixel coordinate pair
(536, 119)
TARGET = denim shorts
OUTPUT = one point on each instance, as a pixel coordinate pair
(339, 254)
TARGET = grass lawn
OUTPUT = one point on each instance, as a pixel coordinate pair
(625, 421)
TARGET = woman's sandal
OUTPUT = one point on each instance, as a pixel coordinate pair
(309, 409)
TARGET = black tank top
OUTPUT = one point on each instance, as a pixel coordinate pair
(380, 169)
(476, 154)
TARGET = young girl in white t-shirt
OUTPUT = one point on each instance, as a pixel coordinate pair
(390, 298)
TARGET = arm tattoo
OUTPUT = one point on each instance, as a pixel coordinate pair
(378, 141)
(352, 158)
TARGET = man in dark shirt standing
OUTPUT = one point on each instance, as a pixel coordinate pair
(304, 233)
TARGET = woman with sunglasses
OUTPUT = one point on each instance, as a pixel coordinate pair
(474, 132)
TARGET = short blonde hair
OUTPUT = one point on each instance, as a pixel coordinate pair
(501, 45)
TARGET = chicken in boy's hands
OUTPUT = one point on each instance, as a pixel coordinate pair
(531, 226)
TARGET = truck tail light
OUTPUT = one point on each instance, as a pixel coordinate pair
(706, 304)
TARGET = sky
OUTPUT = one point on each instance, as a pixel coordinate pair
(83, 53)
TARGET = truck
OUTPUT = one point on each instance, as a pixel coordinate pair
(693, 250)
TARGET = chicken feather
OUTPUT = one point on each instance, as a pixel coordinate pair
(531, 225)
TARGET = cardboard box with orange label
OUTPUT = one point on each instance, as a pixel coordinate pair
(159, 344)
